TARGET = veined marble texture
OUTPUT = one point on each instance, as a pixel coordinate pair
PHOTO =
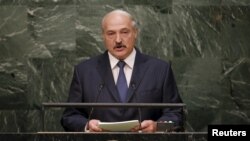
(207, 42)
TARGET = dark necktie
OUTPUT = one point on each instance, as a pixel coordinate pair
(121, 81)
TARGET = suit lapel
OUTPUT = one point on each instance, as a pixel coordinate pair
(105, 71)
(139, 70)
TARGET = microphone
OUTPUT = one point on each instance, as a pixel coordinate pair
(100, 87)
(136, 100)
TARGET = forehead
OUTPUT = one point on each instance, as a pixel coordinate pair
(117, 21)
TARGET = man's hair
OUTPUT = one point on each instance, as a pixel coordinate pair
(134, 24)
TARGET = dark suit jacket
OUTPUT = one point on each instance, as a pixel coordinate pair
(153, 82)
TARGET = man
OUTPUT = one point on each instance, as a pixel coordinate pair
(149, 80)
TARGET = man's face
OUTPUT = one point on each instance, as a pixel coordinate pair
(119, 35)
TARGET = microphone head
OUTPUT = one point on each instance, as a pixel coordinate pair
(101, 85)
(133, 84)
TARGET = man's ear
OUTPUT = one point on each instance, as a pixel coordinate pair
(136, 32)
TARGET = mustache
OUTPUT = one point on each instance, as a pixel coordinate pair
(119, 46)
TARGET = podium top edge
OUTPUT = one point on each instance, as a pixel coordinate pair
(66, 104)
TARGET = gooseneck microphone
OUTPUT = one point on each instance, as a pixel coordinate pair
(100, 87)
(136, 100)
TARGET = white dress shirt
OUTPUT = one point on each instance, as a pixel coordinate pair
(128, 68)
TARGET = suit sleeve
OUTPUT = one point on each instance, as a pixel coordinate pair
(171, 95)
(74, 119)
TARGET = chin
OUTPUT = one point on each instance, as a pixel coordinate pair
(120, 57)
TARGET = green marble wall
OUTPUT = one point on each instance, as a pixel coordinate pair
(207, 41)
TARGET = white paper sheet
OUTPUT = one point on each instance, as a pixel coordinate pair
(122, 126)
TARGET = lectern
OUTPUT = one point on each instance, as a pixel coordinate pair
(106, 136)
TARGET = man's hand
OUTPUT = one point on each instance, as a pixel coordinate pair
(148, 126)
(93, 126)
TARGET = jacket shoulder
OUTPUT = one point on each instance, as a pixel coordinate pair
(89, 62)
(156, 61)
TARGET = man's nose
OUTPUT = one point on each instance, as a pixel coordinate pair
(118, 38)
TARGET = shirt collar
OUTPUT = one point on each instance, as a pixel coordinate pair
(130, 60)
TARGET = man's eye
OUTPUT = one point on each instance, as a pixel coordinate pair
(110, 33)
(124, 32)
